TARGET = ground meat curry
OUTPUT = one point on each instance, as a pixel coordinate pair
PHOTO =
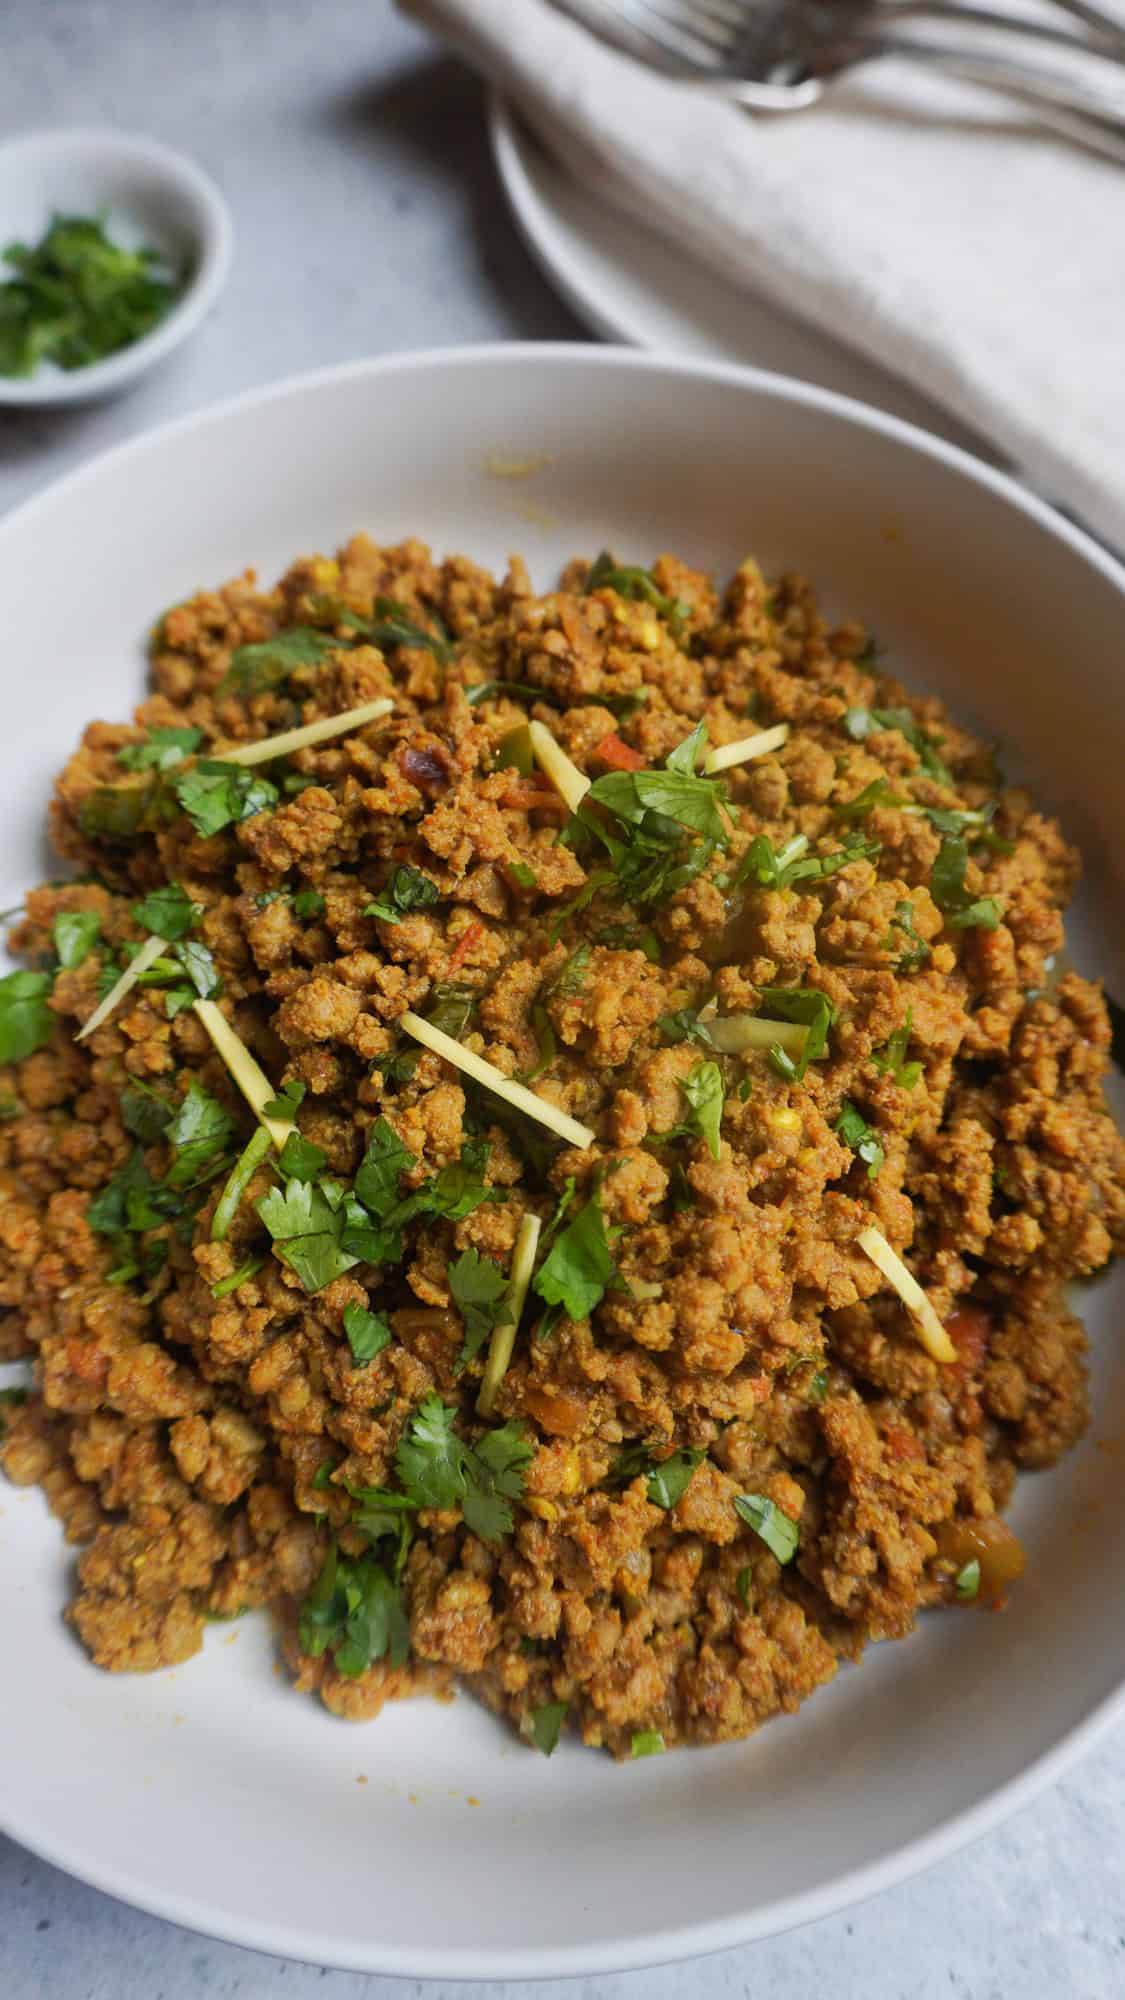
(637, 1411)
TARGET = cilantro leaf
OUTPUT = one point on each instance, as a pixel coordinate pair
(368, 1333)
(917, 952)
(478, 1286)
(408, 889)
(807, 1006)
(161, 750)
(308, 903)
(685, 1026)
(667, 1479)
(382, 1166)
(77, 296)
(947, 887)
(703, 1088)
(393, 626)
(215, 795)
(145, 1113)
(200, 1133)
(627, 580)
(860, 722)
(288, 1100)
(777, 1529)
(355, 1612)
(25, 1018)
(168, 912)
(495, 1477)
(308, 1227)
(878, 793)
(677, 794)
(544, 1725)
(853, 1129)
(200, 967)
(74, 934)
(431, 1460)
(891, 1060)
(438, 1469)
(258, 668)
(579, 1265)
(300, 1160)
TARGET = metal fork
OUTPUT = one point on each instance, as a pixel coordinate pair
(781, 55)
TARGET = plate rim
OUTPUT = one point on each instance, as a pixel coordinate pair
(957, 1830)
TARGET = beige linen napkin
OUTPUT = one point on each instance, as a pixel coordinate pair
(921, 221)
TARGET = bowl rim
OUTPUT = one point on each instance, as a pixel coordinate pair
(215, 232)
(957, 1830)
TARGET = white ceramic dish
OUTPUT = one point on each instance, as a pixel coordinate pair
(212, 1794)
(152, 196)
(625, 283)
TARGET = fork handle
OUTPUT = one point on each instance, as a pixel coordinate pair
(1081, 115)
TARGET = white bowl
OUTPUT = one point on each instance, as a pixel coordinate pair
(152, 195)
(213, 1794)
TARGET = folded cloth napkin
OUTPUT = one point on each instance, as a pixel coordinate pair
(922, 221)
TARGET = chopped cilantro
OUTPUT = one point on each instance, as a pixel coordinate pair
(523, 876)
(256, 669)
(685, 1026)
(308, 903)
(144, 1113)
(917, 952)
(853, 1129)
(780, 868)
(215, 795)
(667, 1479)
(668, 824)
(646, 1743)
(703, 1088)
(200, 967)
(438, 1469)
(241, 1174)
(368, 1333)
(168, 913)
(891, 1060)
(74, 934)
(300, 1160)
(572, 976)
(627, 580)
(630, 937)
(966, 1583)
(947, 887)
(544, 1725)
(877, 793)
(307, 1222)
(579, 1265)
(546, 1044)
(742, 1583)
(408, 889)
(288, 1100)
(860, 722)
(510, 690)
(161, 749)
(25, 1018)
(236, 1278)
(478, 1286)
(355, 1612)
(200, 1133)
(811, 1009)
(77, 296)
(386, 1159)
(777, 1529)
(818, 1386)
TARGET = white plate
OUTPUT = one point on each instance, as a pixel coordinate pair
(628, 284)
(214, 1795)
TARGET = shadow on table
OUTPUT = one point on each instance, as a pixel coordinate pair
(433, 117)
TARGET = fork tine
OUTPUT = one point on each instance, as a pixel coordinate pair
(685, 33)
(616, 21)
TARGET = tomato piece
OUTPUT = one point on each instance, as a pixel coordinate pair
(618, 755)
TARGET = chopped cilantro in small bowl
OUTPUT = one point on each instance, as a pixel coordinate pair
(112, 249)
